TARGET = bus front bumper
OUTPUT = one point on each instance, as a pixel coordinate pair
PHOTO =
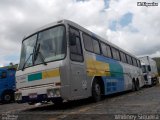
(51, 94)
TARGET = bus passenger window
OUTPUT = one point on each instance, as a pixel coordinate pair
(139, 64)
(123, 57)
(115, 54)
(129, 60)
(134, 61)
(96, 46)
(88, 42)
(106, 50)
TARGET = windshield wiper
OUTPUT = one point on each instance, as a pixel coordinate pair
(26, 61)
(36, 53)
(32, 54)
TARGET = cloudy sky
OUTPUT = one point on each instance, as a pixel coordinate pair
(131, 27)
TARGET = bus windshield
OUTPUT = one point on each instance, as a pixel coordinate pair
(52, 47)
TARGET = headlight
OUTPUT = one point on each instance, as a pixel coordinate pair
(18, 96)
(53, 93)
(149, 77)
(50, 93)
(57, 92)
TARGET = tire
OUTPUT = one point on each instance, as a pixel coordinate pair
(58, 101)
(31, 103)
(137, 85)
(133, 86)
(7, 97)
(96, 91)
(157, 82)
(152, 82)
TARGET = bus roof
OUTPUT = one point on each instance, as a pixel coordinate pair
(64, 21)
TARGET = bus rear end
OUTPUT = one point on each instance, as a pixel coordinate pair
(42, 62)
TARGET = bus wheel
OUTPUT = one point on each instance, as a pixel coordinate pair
(57, 101)
(7, 97)
(133, 86)
(96, 91)
(31, 103)
(137, 85)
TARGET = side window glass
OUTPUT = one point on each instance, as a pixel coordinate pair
(88, 42)
(96, 46)
(123, 57)
(139, 64)
(134, 62)
(118, 56)
(75, 45)
(3, 75)
(104, 51)
(115, 54)
(129, 60)
(108, 51)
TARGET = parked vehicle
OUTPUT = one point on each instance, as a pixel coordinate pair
(7, 84)
(64, 61)
(150, 71)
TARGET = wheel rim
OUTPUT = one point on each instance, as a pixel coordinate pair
(97, 89)
(7, 97)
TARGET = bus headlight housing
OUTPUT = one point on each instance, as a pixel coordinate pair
(57, 92)
(149, 77)
(18, 96)
(53, 93)
(50, 93)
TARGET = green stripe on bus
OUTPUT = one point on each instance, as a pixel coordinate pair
(36, 76)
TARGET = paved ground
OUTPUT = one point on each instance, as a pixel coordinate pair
(143, 104)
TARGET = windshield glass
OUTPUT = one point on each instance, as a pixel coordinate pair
(52, 47)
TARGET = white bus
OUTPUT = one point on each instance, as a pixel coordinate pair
(64, 61)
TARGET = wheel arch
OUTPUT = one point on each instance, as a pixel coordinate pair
(7, 91)
(133, 80)
(101, 82)
(137, 81)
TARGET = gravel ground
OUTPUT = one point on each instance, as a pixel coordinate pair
(143, 104)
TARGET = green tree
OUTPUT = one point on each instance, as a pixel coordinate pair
(157, 59)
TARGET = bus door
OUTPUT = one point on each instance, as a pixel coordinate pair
(78, 74)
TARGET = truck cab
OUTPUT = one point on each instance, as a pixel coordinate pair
(149, 69)
(7, 85)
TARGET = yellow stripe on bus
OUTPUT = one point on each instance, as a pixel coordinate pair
(97, 68)
(50, 74)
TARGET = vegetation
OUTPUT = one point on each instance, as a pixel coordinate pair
(157, 59)
(11, 66)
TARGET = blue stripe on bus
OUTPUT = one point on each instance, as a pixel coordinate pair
(115, 82)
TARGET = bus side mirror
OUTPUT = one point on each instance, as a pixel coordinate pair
(149, 68)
